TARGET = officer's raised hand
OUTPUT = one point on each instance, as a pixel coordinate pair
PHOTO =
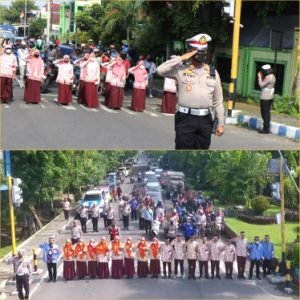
(188, 55)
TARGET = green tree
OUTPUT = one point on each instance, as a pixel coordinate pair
(37, 27)
(2, 13)
(13, 12)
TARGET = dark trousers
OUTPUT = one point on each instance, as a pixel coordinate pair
(83, 224)
(133, 214)
(241, 263)
(52, 270)
(179, 262)
(74, 241)
(148, 225)
(228, 268)
(165, 264)
(253, 262)
(141, 223)
(267, 268)
(126, 222)
(192, 132)
(204, 264)
(192, 267)
(95, 224)
(215, 265)
(6, 85)
(105, 220)
(22, 282)
(265, 109)
(66, 214)
(109, 222)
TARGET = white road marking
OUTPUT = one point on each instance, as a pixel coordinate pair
(69, 107)
(109, 110)
(167, 115)
(151, 113)
(128, 111)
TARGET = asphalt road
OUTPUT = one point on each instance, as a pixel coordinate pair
(149, 288)
(49, 126)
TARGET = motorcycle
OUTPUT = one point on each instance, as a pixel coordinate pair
(50, 74)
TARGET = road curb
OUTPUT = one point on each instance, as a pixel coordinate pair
(279, 129)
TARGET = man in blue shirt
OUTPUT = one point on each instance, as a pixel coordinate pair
(134, 205)
(50, 257)
(268, 254)
(255, 251)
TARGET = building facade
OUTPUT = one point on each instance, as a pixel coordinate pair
(68, 11)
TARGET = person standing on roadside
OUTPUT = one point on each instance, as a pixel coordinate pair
(50, 257)
(241, 253)
(8, 67)
(69, 263)
(268, 254)
(66, 208)
(126, 214)
(22, 56)
(95, 217)
(35, 75)
(83, 211)
(22, 269)
(255, 251)
(76, 232)
(266, 81)
(151, 69)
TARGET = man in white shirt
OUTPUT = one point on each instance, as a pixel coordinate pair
(22, 55)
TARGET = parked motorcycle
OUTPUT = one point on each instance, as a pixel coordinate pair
(50, 74)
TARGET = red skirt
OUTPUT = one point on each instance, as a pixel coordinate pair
(142, 269)
(117, 269)
(92, 269)
(115, 97)
(69, 270)
(138, 99)
(107, 90)
(81, 269)
(155, 266)
(32, 92)
(168, 105)
(91, 95)
(102, 270)
(129, 267)
(6, 85)
(64, 94)
(81, 92)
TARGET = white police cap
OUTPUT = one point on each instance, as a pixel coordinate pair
(199, 41)
(266, 67)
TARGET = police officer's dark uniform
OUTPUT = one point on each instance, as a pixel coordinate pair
(266, 81)
(199, 95)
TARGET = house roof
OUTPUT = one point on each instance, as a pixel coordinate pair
(258, 34)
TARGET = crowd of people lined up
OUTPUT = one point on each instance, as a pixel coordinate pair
(103, 71)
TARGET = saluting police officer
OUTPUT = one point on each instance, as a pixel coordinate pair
(266, 80)
(200, 95)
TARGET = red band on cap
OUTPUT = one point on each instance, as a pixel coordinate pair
(198, 43)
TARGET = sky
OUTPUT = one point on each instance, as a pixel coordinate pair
(38, 3)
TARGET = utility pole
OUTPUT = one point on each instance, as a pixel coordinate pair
(235, 55)
(282, 212)
(10, 201)
(48, 21)
(25, 19)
